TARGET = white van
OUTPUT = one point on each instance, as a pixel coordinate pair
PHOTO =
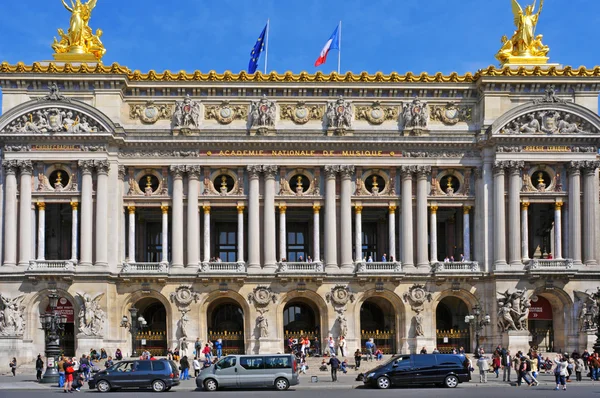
(250, 371)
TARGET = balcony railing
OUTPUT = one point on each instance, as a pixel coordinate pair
(51, 266)
(299, 267)
(378, 267)
(145, 268)
(463, 267)
(553, 265)
(223, 267)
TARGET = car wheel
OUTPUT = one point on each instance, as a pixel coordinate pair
(451, 381)
(210, 385)
(158, 386)
(282, 384)
(103, 386)
(383, 382)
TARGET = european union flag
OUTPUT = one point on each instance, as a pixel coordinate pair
(258, 48)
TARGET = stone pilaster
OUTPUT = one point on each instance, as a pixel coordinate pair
(346, 173)
(87, 211)
(557, 230)
(433, 234)
(499, 216)
(330, 219)
(407, 217)
(165, 234)
(10, 208)
(240, 233)
(102, 167)
(177, 216)
(358, 233)
(269, 218)
(422, 255)
(316, 233)
(41, 232)
(131, 250)
(590, 198)
(574, 170)
(392, 232)
(253, 218)
(514, 216)
(193, 222)
(122, 217)
(467, 233)
(25, 237)
(282, 232)
(524, 231)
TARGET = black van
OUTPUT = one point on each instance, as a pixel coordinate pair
(440, 369)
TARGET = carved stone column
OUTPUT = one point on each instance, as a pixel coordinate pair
(346, 173)
(25, 255)
(177, 217)
(407, 217)
(392, 232)
(590, 198)
(433, 234)
(41, 235)
(193, 221)
(422, 260)
(269, 218)
(499, 216)
(74, 231)
(467, 233)
(253, 219)
(524, 231)
(102, 167)
(575, 211)
(358, 233)
(131, 240)
(10, 209)
(165, 234)
(330, 220)
(316, 233)
(206, 234)
(34, 230)
(557, 230)
(122, 216)
(282, 233)
(514, 216)
(87, 211)
(240, 233)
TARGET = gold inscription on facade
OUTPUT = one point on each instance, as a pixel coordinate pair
(559, 148)
(298, 153)
(56, 147)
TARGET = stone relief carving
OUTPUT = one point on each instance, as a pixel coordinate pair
(416, 296)
(343, 325)
(54, 120)
(415, 116)
(261, 296)
(377, 114)
(513, 310)
(339, 296)
(182, 326)
(54, 94)
(184, 295)
(549, 96)
(91, 316)
(450, 114)
(418, 320)
(588, 315)
(160, 154)
(187, 114)
(262, 323)
(12, 316)
(150, 112)
(510, 149)
(439, 154)
(302, 113)
(226, 113)
(17, 148)
(262, 114)
(547, 122)
(339, 115)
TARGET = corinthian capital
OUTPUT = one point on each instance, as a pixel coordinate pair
(423, 171)
(270, 170)
(347, 171)
(193, 171)
(121, 172)
(499, 167)
(177, 170)
(102, 166)
(574, 167)
(331, 170)
(589, 167)
(254, 170)
(515, 166)
(10, 166)
(407, 171)
(25, 166)
(86, 166)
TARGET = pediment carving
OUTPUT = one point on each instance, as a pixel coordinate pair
(51, 118)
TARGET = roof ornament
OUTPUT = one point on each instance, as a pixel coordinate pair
(54, 94)
(549, 96)
(524, 47)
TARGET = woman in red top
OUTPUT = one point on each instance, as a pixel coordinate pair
(68, 374)
(496, 364)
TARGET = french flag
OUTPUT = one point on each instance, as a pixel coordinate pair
(333, 43)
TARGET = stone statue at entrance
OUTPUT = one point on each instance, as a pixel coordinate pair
(91, 316)
(183, 321)
(12, 320)
(343, 322)
(262, 323)
(513, 310)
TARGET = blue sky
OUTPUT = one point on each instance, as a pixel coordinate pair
(377, 35)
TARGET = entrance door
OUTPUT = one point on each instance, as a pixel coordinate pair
(378, 322)
(226, 322)
(152, 338)
(67, 335)
(541, 324)
(299, 320)
(451, 331)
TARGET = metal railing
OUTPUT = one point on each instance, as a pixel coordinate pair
(51, 265)
(223, 267)
(451, 267)
(379, 266)
(300, 267)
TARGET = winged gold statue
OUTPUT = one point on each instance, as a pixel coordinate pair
(79, 43)
(524, 47)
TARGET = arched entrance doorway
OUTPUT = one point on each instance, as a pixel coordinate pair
(152, 338)
(300, 319)
(451, 330)
(378, 321)
(540, 324)
(67, 335)
(226, 322)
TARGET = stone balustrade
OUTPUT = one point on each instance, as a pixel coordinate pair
(537, 265)
(145, 268)
(462, 267)
(299, 267)
(231, 267)
(51, 266)
(378, 267)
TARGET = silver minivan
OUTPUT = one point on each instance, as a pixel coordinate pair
(250, 371)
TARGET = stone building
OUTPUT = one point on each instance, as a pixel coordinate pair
(255, 208)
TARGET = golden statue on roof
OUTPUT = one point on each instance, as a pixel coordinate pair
(524, 47)
(79, 44)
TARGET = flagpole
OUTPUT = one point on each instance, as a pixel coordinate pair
(267, 45)
(340, 49)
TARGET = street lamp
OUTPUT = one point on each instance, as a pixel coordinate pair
(136, 323)
(478, 322)
(596, 297)
(52, 322)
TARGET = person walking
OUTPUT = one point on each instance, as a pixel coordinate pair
(61, 372)
(185, 368)
(317, 345)
(303, 365)
(219, 347)
(530, 366)
(506, 366)
(69, 371)
(357, 359)
(483, 365)
(560, 373)
(39, 367)
(496, 363)
(342, 344)
(579, 367)
(585, 356)
(85, 366)
(196, 365)
(369, 346)
(331, 344)
(13, 366)
(197, 347)
(335, 364)
(594, 364)
(207, 352)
